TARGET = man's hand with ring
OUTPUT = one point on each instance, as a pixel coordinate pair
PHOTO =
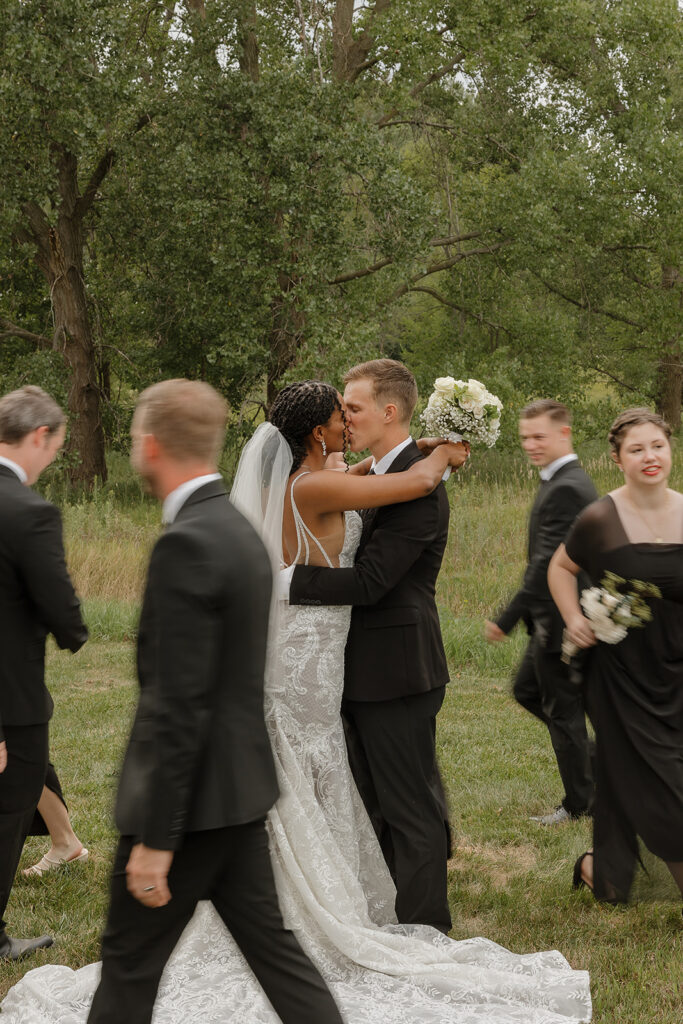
(147, 874)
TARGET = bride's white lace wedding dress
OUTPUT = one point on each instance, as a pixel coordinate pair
(334, 890)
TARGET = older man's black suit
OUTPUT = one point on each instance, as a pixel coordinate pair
(36, 598)
(198, 776)
(395, 674)
(543, 685)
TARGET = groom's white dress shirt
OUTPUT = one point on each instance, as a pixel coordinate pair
(378, 467)
(21, 473)
(174, 501)
(549, 471)
(383, 465)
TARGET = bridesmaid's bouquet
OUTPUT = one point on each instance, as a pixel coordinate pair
(463, 410)
(613, 608)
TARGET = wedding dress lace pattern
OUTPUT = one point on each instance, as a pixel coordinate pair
(334, 889)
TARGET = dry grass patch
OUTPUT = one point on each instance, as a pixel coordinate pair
(500, 864)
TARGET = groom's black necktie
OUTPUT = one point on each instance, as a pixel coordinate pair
(365, 512)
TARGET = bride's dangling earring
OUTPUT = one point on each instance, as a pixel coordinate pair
(322, 441)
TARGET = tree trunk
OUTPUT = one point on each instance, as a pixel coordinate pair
(669, 390)
(287, 331)
(60, 258)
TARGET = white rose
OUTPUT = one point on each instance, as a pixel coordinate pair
(467, 404)
(444, 386)
(478, 410)
(476, 390)
(495, 425)
(436, 401)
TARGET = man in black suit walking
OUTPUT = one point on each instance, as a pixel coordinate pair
(543, 685)
(36, 598)
(198, 776)
(395, 665)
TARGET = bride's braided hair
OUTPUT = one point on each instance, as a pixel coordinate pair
(300, 407)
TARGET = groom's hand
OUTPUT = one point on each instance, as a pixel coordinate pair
(147, 873)
(3, 756)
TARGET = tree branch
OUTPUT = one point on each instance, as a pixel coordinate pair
(351, 55)
(460, 309)
(99, 174)
(352, 275)
(10, 330)
(436, 268)
(454, 239)
(421, 86)
(587, 306)
(621, 383)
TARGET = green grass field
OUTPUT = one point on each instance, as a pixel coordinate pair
(510, 879)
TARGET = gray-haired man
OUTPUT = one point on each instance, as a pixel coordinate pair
(36, 598)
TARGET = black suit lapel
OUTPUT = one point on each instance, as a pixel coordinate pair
(405, 458)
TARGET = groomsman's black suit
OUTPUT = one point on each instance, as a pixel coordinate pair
(395, 674)
(543, 685)
(198, 776)
(36, 598)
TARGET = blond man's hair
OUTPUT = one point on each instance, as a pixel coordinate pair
(391, 382)
(187, 417)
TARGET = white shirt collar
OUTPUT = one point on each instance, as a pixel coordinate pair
(15, 467)
(174, 501)
(382, 465)
(549, 471)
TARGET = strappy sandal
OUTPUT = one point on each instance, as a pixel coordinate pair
(47, 864)
(578, 880)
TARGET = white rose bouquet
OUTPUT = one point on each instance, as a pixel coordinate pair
(460, 410)
(612, 609)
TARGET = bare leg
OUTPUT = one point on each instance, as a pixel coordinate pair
(587, 869)
(65, 843)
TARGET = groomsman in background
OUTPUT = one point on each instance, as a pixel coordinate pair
(543, 685)
(36, 598)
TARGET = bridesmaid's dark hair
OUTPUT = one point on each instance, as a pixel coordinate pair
(633, 418)
(299, 408)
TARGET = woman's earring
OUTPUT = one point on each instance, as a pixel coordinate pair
(322, 441)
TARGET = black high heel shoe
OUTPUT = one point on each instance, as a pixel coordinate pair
(578, 880)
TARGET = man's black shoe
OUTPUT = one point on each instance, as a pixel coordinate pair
(16, 949)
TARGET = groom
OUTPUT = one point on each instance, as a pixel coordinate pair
(395, 666)
(198, 777)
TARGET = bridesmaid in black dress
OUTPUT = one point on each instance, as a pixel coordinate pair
(635, 686)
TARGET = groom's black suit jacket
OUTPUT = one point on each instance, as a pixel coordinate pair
(394, 647)
(558, 503)
(199, 757)
(36, 598)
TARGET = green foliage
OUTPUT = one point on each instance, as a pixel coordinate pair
(244, 183)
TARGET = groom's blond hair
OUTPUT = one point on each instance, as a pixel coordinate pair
(391, 382)
(187, 417)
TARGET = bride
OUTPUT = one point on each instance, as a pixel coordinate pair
(333, 884)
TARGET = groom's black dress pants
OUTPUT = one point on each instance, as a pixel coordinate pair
(544, 687)
(392, 751)
(232, 868)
